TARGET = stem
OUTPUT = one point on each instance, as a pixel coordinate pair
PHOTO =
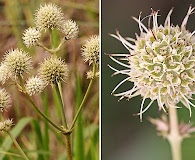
(68, 146)
(18, 146)
(174, 136)
(43, 115)
(60, 98)
(83, 101)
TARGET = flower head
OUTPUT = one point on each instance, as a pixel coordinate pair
(6, 125)
(161, 63)
(17, 62)
(5, 99)
(90, 51)
(34, 85)
(69, 29)
(31, 36)
(48, 16)
(4, 73)
(53, 70)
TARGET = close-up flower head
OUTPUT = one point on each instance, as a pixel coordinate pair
(5, 100)
(160, 62)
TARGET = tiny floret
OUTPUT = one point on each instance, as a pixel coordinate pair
(18, 62)
(35, 85)
(69, 29)
(90, 51)
(5, 99)
(31, 36)
(48, 16)
(160, 63)
(53, 70)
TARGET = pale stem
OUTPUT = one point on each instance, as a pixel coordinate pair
(60, 98)
(83, 101)
(68, 146)
(174, 137)
(18, 146)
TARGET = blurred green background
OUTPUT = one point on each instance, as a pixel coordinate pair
(124, 137)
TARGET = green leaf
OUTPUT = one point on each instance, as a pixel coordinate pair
(7, 143)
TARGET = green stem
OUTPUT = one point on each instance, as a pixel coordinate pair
(68, 146)
(60, 98)
(43, 115)
(18, 146)
(83, 101)
(174, 137)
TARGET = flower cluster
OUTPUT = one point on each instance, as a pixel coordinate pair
(161, 63)
(53, 70)
(16, 62)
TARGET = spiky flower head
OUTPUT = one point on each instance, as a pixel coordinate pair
(48, 16)
(69, 29)
(53, 70)
(31, 36)
(35, 85)
(161, 63)
(91, 75)
(6, 125)
(90, 51)
(5, 99)
(18, 62)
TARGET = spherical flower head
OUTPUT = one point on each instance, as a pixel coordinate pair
(69, 29)
(31, 36)
(35, 85)
(18, 62)
(5, 99)
(53, 70)
(90, 51)
(161, 64)
(6, 125)
(48, 16)
(4, 73)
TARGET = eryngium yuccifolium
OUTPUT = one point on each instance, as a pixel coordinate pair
(18, 62)
(5, 99)
(161, 63)
(90, 51)
(31, 36)
(6, 125)
(35, 85)
(69, 29)
(53, 70)
(48, 16)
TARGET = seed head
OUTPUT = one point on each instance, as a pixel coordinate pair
(6, 125)
(5, 99)
(90, 51)
(34, 85)
(53, 70)
(48, 16)
(18, 62)
(69, 29)
(31, 36)
(161, 63)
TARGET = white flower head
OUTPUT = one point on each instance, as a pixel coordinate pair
(31, 36)
(48, 16)
(6, 125)
(17, 62)
(90, 50)
(4, 73)
(35, 85)
(5, 100)
(69, 29)
(160, 63)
